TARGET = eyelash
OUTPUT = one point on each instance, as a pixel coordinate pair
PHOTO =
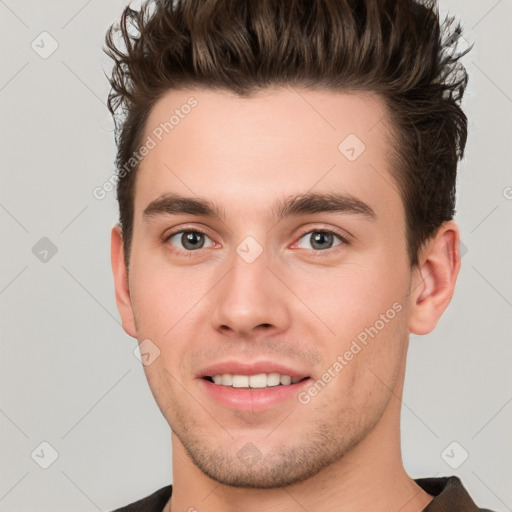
(181, 252)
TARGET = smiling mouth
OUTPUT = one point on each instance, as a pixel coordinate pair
(256, 381)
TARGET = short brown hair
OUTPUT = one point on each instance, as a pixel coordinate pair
(395, 48)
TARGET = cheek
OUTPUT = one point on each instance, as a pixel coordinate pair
(165, 304)
(368, 369)
(162, 296)
(365, 306)
(352, 298)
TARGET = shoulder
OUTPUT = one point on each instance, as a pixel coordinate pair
(152, 503)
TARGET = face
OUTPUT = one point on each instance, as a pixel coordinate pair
(294, 264)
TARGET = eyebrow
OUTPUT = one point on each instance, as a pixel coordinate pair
(309, 203)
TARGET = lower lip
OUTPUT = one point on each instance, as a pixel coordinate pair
(252, 399)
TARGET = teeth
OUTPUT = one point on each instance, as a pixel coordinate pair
(286, 380)
(226, 379)
(260, 380)
(273, 379)
(240, 381)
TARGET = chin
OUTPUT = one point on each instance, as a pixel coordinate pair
(268, 468)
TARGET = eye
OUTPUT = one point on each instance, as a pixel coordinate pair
(187, 241)
(190, 240)
(321, 239)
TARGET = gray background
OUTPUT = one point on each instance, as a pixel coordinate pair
(68, 373)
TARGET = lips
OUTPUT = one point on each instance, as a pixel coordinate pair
(241, 385)
(252, 400)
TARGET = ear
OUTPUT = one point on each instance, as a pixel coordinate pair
(124, 304)
(434, 278)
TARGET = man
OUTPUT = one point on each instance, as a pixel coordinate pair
(286, 188)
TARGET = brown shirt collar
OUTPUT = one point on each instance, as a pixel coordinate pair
(449, 496)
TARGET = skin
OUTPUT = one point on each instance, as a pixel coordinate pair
(294, 304)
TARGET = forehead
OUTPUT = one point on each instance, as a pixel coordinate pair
(247, 152)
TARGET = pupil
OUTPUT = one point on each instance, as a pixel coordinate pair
(320, 238)
(194, 239)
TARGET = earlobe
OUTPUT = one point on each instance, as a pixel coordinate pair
(434, 279)
(121, 285)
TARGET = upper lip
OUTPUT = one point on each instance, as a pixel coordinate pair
(243, 368)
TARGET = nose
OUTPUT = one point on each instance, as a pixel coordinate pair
(250, 299)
